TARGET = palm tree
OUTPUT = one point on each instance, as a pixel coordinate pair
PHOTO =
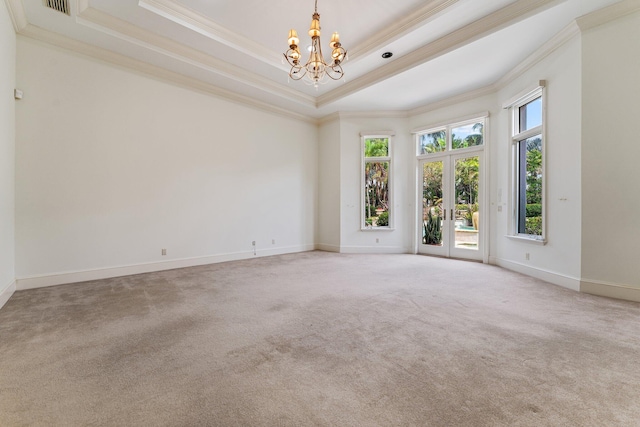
(434, 142)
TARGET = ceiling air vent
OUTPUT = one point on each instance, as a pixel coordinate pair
(59, 5)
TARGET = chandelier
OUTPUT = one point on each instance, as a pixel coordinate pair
(315, 68)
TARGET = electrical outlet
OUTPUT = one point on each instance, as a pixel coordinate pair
(526, 256)
(164, 252)
(377, 240)
(253, 243)
(273, 241)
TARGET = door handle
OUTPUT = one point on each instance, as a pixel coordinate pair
(451, 214)
(445, 214)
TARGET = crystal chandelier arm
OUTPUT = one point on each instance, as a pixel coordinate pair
(335, 72)
(316, 67)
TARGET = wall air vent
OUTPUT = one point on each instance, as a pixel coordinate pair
(59, 5)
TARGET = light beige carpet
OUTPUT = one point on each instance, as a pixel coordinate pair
(320, 339)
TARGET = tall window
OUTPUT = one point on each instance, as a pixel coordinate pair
(528, 166)
(376, 183)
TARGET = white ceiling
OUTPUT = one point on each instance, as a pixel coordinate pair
(442, 48)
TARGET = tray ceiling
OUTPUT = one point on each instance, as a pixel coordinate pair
(441, 48)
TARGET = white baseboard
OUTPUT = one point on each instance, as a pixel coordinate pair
(565, 281)
(107, 273)
(611, 290)
(327, 248)
(373, 250)
(6, 293)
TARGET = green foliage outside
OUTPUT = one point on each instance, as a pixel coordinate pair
(533, 225)
(534, 210)
(376, 147)
(466, 177)
(383, 220)
(471, 140)
(432, 230)
(534, 171)
(436, 142)
(466, 211)
(533, 214)
(376, 181)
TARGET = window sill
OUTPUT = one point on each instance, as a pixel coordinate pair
(531, 240)
(377, 229)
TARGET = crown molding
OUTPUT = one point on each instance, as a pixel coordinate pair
(82, 5)
(339, 115)
(17, 15)
(607, 14)
(415, 19)
(450, 122)
(453, 100)
(107, 56)
(329, 118)
(564, 36)
(508, 15)
(199, 23)
(123, 30)
(390, 114)
(560, 39)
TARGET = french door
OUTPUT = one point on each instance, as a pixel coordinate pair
(449, 196)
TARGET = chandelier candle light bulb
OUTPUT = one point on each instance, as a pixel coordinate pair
(316, 67)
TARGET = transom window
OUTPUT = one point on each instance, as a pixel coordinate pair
(452, 137)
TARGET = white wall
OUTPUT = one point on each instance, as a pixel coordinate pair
(7, 155)
(559, 260)
(611, 149)
(328, 237)
(352, 237)
(113, 166)
(340, 186)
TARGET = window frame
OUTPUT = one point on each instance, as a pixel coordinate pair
(363, 162)
(448, 128)
(516, 185)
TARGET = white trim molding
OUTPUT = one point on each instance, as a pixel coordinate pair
(194, 21)
(417, 18)
(7, 292)
(374, 249)
(46, 280)
(610, 290)
(451, 123)
(328, 248)
(17, 15)
(490, 24)
(77, 47)
(608, 14)
(123, 30)
(552, 277)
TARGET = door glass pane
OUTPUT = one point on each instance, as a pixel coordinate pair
(467, 207)
(467, 136)
(432, 213)
(433, 142)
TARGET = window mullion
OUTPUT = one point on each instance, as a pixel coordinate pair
(528, 134)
